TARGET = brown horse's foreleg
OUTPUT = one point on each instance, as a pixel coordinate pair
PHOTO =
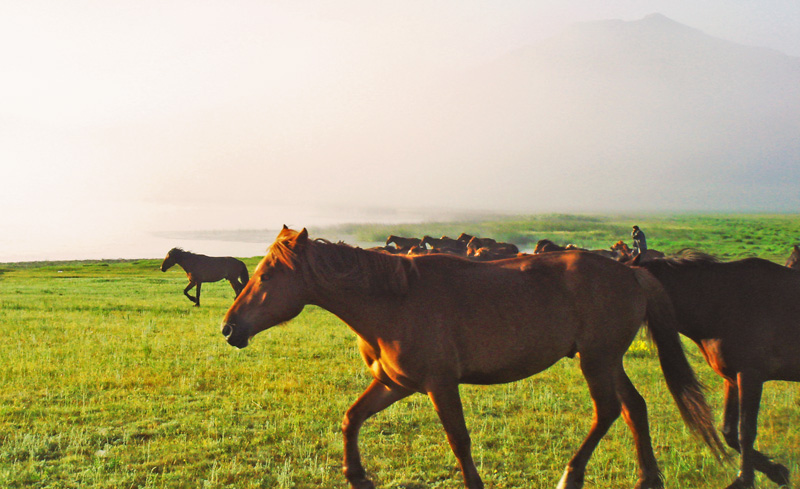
(189, 287)
(376, 398)
(447, 402)
(606, 410)
(749, 387)
(634, 411)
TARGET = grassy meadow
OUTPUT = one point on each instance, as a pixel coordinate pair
(111, 379)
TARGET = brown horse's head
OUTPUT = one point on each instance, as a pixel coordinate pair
(273, 295)
(794, 258)
(620, 246)
(171, 259)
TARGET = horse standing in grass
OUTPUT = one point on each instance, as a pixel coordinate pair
(745, 317)
(202, 268)
(429, 323)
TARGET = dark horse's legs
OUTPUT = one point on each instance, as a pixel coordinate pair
(196, 300)
(746, 398)
(376, 398)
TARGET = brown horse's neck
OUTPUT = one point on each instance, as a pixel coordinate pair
(356, 285)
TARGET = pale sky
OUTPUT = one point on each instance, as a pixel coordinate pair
(141, 115)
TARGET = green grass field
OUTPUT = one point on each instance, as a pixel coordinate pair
(111, 379)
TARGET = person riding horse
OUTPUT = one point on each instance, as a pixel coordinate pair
(639, 241)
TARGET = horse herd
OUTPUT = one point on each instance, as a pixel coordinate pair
(427, 321)
(472, 247)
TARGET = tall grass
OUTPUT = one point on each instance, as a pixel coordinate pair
(111, 379)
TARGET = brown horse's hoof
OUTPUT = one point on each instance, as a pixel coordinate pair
(740, 484)
(362, 484)
(656, 483)
(570, 480)
(779, 475)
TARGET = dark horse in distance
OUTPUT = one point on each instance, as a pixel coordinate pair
(202, 268)
(431, 322)
(745, 317)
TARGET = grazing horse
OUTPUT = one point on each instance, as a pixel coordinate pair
(794, 258)
(745, 317)
(402, 243)
(429, 323)
(202, 268)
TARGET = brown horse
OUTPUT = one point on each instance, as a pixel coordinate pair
(444, 245)
(429, 323)
(402, 243)
(491, 247)
(546, 246)
(625, 254)
(794, 258)
(745, 317)
(202, 268)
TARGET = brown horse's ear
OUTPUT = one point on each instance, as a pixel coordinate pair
(302, 237)
(285, 227)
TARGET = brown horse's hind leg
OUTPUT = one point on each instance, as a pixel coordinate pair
(742, 403)
(634, 411)
(599, 377)
(376, 398)
(196, 300)
(447, 402)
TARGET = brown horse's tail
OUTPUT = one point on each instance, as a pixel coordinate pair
(244, 276)
(681, 380)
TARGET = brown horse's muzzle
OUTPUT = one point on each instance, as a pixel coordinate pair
(236, 336)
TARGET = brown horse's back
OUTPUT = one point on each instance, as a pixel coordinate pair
(748, 309)
(495, 315)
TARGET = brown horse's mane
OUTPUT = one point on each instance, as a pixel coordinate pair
(333, 266)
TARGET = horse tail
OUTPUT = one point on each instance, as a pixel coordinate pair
(681, 380)
(244, 276)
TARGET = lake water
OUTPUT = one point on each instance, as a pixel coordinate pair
(149, 231)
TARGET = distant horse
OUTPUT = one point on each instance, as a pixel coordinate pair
(625, 254)
(429, 323)
(491, 247)
(465, 238)
(202, 268)
(444, 245)
(547, 246)
(402, 243)
(794, 258)
(745, 317)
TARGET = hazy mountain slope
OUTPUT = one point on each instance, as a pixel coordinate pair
(624, 110)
